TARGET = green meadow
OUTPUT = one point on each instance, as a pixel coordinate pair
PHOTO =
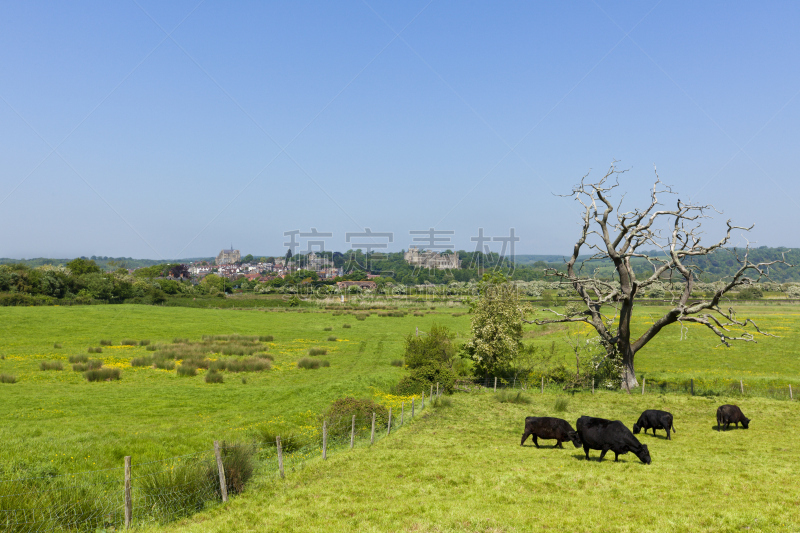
(456, 468)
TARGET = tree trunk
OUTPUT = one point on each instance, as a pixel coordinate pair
(628, 378)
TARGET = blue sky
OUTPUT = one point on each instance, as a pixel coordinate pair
(149, 130)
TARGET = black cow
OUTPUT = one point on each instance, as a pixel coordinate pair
(605, 435)
(547, 427)
(731, 414)
(654, 419)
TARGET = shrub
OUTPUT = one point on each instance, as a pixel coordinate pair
(340, 413)
(238, 462)
(442, 401)
(290, 440)
(179, 491)
(561, 405)
(185, 370)
(316, 350)
(128, 342)
(397, 362)
(7, 378)
(102, 374)
(346, 326)
(361, 317)
(105, 342)
(247, 365)
(81, 358)
(327, 329)
(146, 360)
(95, 350)
(266, 338)
(308, 363)
(56, 345)
(505, 396)
(435, 347)
(214, 377)
(332, 338)
(51, 365)
(420, 379)
(145, 342)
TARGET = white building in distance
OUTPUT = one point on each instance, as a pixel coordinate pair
(429, 259)
(227, 257)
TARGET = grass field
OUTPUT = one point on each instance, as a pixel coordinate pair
(461, 469)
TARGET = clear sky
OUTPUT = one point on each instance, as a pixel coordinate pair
(174, 129)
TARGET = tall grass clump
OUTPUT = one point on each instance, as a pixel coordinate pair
(316, 350)
(397, 362)
(51, 365)
(239, 464)
(247, 365)
(339, 415)
(561, 405)
(95, 350)
(105, 342)
(265, 356)
(266, 338)
(346, 326)
(308, 363)
(442, 401)
(144, 342)
(80, 358)
(332, 338)
(505, 396)
(361, 317)
(7, 378)
(327, 329)
(179, 340)
(164, 364)
(151, 348)
(90, 364)
(177, 492)
(214, 377)
(146, 360)
(102, 374)
(56, 345)
(128, 342)
(185, 370)
(291, 441)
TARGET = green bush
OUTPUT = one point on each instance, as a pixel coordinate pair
(434, 347)
(239, 464)
(214, 377)
(316, 350)
(420, 379)
(81, 358)
(177, 492)
(340, 413)
(51, 365)
(7, 378)
(102, 374)
(291, 441)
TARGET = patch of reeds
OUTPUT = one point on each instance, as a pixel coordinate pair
(164, 364)
(346, 326)
(102, 374)
(397, 362)
(7, 378)
(214, 377)
(151, 348)
(266, 338)
(308, 363)
(561, 405)
(317, 350)
(144, 342)
(180, 340)
(95, 350)
(505, 396)
(185, 370)
(105, 342)
(56, 345)
(90, 364)
(442, 401)
(332, 338)
(419, 314)
(290, 440)
(145, 360)
(128, 342)
(327, 329)
(51, 365)
(179, 491)
(265, 356)
(80, 358)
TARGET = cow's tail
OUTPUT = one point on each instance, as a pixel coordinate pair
(673, 428)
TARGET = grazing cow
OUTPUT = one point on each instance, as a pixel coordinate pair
(605, 435)
(547, 427)
(654, 419)
(731, 414)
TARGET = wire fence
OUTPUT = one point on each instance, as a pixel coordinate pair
(164, 490)
(761, 388)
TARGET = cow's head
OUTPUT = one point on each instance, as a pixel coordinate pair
(644, 454)
(746, 423)
(575, 438)
(636, 429)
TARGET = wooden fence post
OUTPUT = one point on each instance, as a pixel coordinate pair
(644, 380)
(692, 384)
(402, 412)
(412, 407)
(324, 439)
(431, 394)
(389, 425)
(127, 495)
(353, 432)
(372, 436)
(542, 384)
(280, 456)
(592, 385)
(791, 397)
(741, 386)
(495, 384)
(423, 401)
(223, 485)
(437, 390)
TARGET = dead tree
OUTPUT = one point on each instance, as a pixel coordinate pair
(623, 238)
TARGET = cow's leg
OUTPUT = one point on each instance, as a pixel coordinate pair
(616, 457)
(586, 450)
(603, 453)
(558, 443)
(535, 441)
(668, 437)
(524, 436)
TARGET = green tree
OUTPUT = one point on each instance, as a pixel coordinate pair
(80, 266)
(247, 259)
(496, 329)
